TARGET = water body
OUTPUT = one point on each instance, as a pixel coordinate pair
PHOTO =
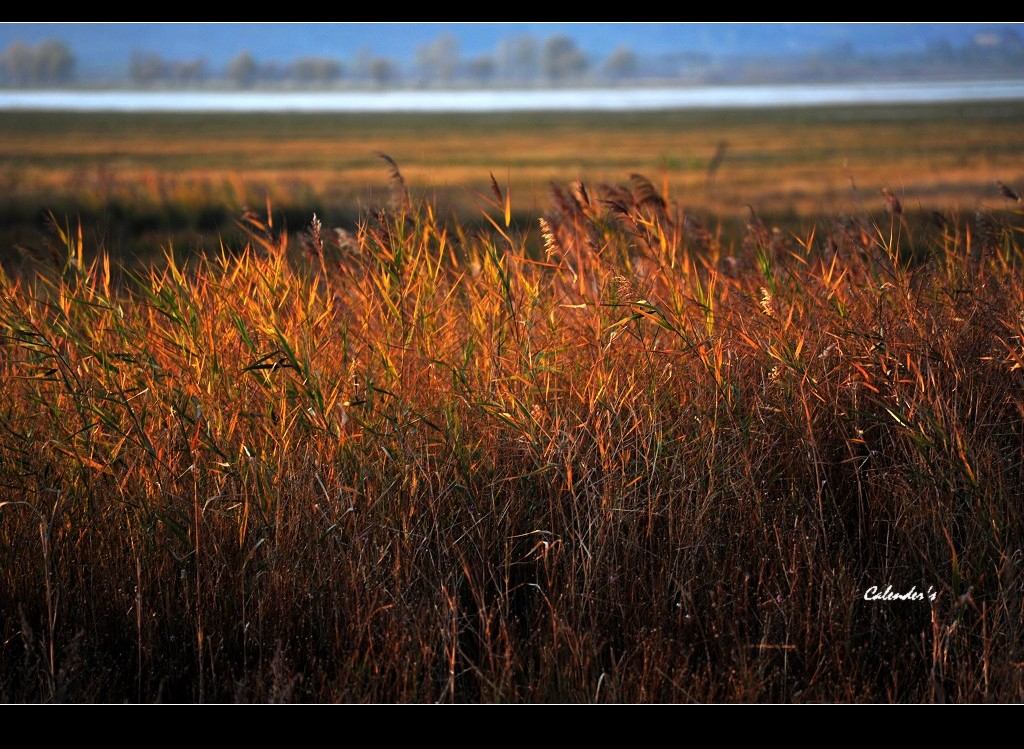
(613, 99)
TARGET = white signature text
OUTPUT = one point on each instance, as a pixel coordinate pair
(874, 594)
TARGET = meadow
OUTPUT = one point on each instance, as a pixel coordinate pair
(587, 447)
(138, 181)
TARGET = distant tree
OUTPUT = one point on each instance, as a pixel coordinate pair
(621, 64)
(243, 70)
(438, 60)
(562, 59)
(517, 58)
(272, 71)
(188, 72)
(361, 65)
(316, 70)
(481, 69)
(19, 64)
(382, 71)
(53, 62)
(146, 68)
(369, 68)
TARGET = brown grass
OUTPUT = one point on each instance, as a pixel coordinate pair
(426, 464)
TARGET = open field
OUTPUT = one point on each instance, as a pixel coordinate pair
(138, 180)
(419, 463)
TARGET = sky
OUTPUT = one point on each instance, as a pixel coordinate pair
(108, 47)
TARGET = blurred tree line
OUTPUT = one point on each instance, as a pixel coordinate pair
(525, 60)
(48, 63)
(519, 60)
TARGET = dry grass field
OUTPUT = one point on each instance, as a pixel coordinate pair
(574, 445)
(136, 179)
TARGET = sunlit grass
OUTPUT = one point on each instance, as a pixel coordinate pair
(604, 458)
